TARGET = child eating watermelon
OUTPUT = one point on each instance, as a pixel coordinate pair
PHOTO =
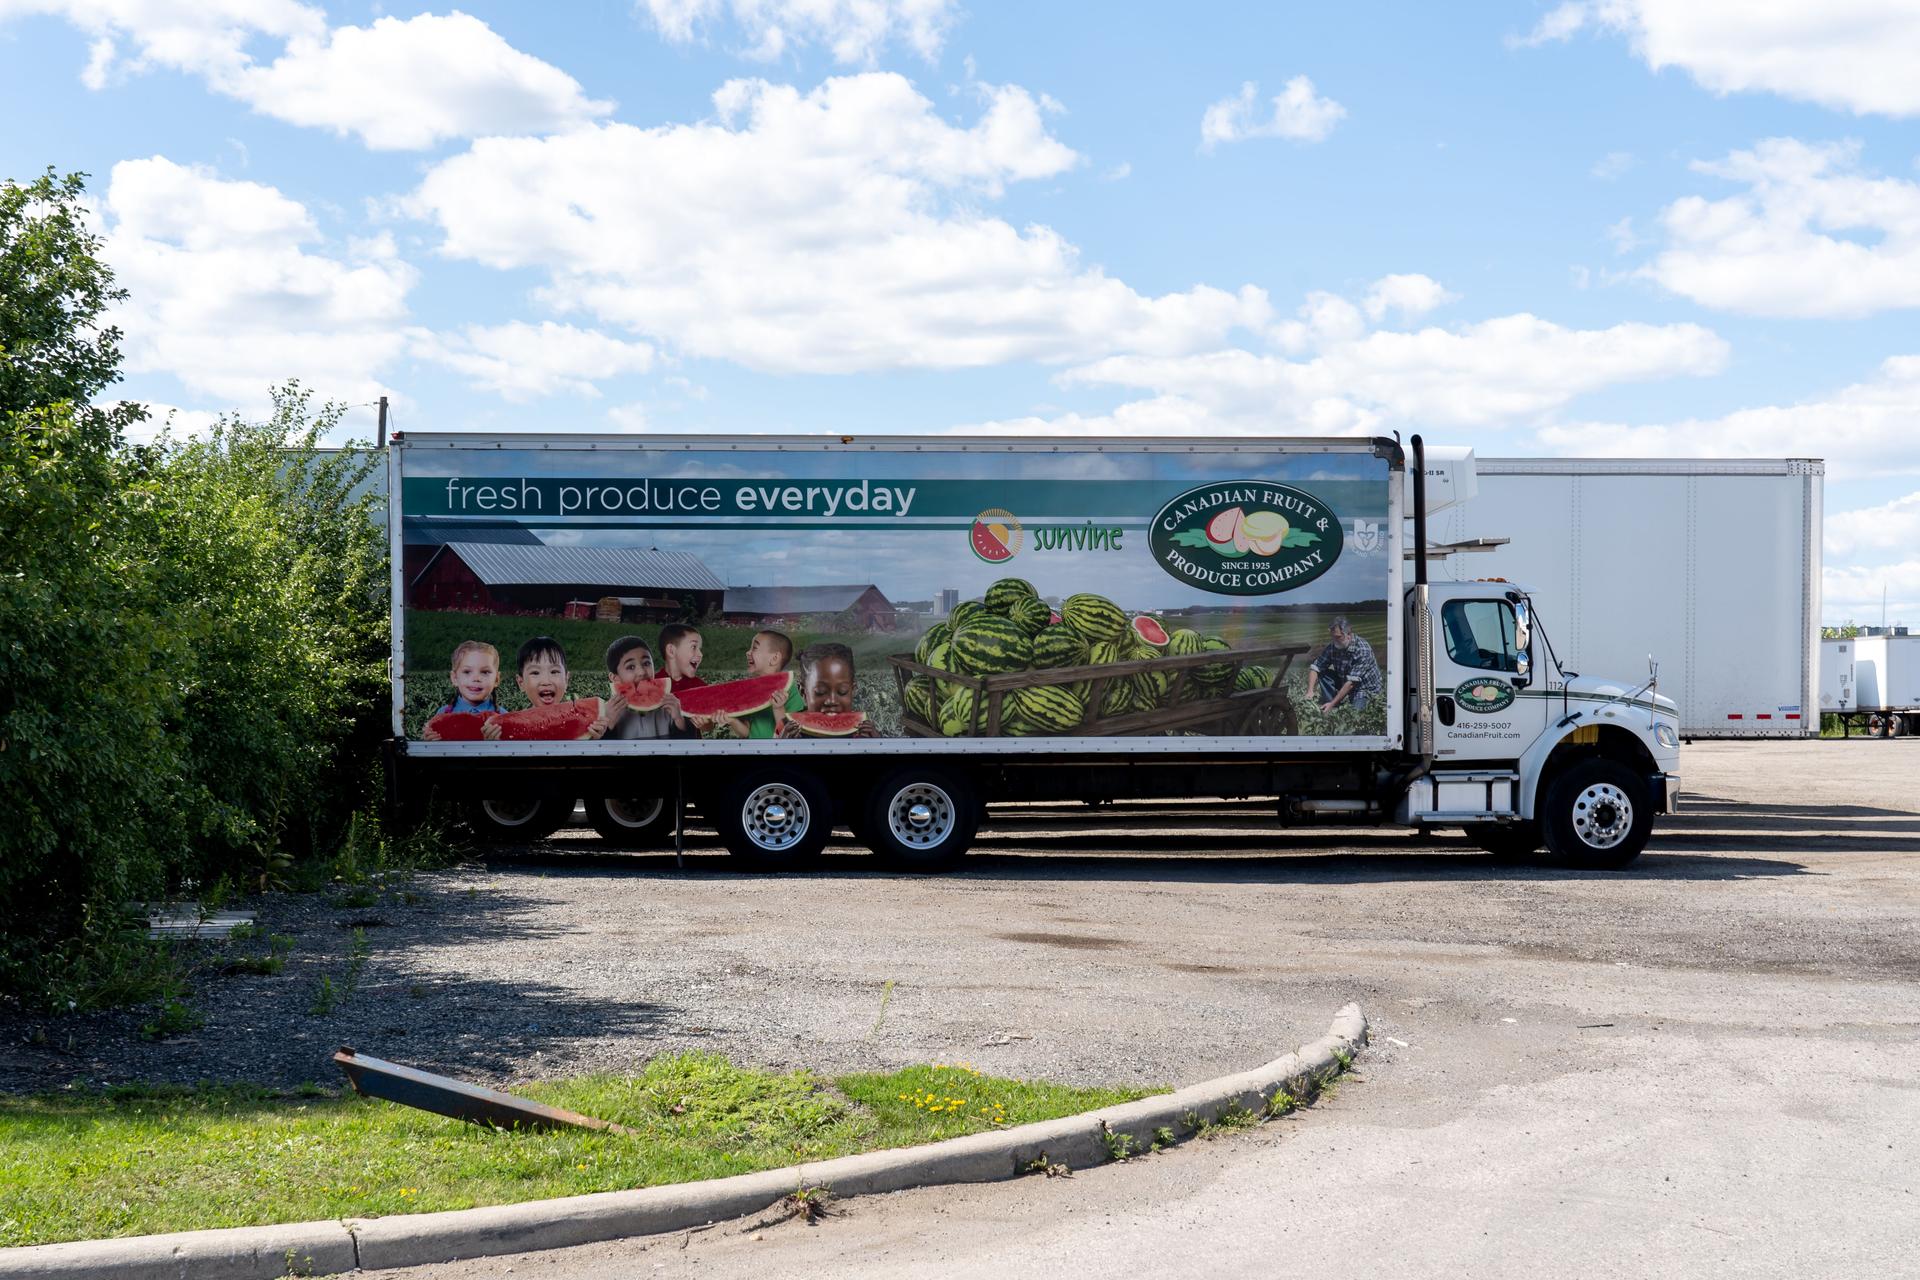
(475, 676)
(630, 661)
(826, 685)
(542, 676)
(768, 655)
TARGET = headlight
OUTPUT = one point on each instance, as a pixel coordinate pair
(1665, 734)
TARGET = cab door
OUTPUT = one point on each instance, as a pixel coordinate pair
(1484, 706)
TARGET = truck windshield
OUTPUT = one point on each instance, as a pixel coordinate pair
(1480, 634)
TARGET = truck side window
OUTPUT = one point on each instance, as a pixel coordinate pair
(1480, 634)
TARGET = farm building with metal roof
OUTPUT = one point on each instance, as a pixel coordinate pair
(504, 578)
(790, 604)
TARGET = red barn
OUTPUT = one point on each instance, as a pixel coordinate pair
(497, 578)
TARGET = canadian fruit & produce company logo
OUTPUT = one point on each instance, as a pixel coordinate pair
(1246, 537)
(1483, 695)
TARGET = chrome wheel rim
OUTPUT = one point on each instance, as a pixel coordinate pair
(1602, 816)
(775, 817)
(921, 816)
(636, 812)
(510, 812)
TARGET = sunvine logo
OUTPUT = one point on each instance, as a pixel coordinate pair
(1246, 538)
(1483, 695)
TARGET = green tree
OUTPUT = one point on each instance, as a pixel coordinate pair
(192, 632)
(54, 296)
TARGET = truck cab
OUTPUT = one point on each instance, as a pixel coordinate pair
(1526, 753)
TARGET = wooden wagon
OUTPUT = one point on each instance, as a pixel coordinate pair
(1263, 712)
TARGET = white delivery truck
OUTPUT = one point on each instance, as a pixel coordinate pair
(1872, 682)
(1709, 566)
(886, 633)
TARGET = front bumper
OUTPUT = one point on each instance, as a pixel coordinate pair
(1667, 787)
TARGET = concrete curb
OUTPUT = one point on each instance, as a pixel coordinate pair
(320, 1248)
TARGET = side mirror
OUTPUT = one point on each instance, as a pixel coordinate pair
(1522, 633)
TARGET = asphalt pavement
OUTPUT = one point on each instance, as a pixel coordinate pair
(1705, 1064)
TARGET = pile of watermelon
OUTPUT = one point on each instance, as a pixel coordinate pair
(1012, 629)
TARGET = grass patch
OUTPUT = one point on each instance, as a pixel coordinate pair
(134, 1161)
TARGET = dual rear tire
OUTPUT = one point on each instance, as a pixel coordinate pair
(915, 819)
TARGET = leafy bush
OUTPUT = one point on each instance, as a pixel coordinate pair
(192, 633)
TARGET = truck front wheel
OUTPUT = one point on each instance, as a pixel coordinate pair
(1598, 815)
(921, 819)
(775, 819)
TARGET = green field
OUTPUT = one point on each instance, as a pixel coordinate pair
(132, 1161)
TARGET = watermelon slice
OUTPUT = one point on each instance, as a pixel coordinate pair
(1151, 631)
(643, 695)
(459, 726)
(828, 724)
(555, 722)
(738, 697)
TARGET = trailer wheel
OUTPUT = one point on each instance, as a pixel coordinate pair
(775, 819)
(517, 819)
(1598, 815)
(1507, 839)
(921, 819)
(631, 822)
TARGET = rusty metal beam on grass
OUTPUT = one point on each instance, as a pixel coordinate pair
(391, 1082)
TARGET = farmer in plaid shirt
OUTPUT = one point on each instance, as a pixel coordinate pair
(1346, 672)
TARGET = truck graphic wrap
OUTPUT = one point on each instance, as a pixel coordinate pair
(680, 594)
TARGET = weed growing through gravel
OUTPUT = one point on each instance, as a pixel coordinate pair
(137, 1160)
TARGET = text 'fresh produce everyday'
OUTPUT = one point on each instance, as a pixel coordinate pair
(652, 497)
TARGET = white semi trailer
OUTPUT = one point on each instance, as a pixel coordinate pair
(1872, 682)
(1710, 567)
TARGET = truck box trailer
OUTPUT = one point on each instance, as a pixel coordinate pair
(887, 633)
(1871, 680)
(1711, 567)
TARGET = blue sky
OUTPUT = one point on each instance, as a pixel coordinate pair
(1639, 227)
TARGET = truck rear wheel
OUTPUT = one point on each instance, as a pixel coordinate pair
(517, 819)
(1598, 815)
(921, 819)
(631, 822)
(775, 819)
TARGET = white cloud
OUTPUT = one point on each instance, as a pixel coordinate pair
(628, 417)
(1853, 592)
(1863, 429)
(229, 293)
(854, 30)
(1299, 114)
(1810, 236)
(397, 84)
(1356, 380)
(1621, 236)
(831, 231)
(1405, 295)
(407, 85)
(1612, 165)
(522, 361)
(1851, 55)
(1891, 526)
(1500, 371)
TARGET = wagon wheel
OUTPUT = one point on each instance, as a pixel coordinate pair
(1270, 718)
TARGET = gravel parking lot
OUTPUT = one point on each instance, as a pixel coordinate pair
(1736, 1013)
